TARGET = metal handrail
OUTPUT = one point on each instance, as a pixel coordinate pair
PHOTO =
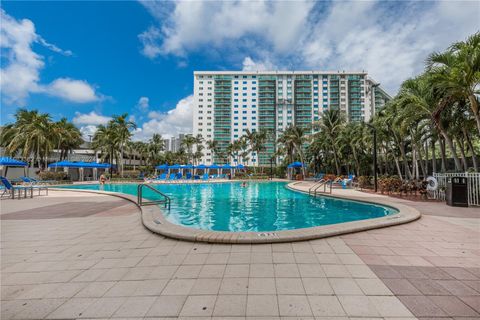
(315, 185)
(323, 183)
(165, 201)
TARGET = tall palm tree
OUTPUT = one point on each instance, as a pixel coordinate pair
(123, 127)
(294, 139)
(332, 123)
(457, 72)
(188, 142)
(212, 145)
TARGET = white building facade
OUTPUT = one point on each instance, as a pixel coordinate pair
(230, 103)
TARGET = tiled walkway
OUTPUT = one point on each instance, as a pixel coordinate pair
(109, 266)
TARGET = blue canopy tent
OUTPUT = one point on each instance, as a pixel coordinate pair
(81, 166)
(202, 167)
(228, 167)
(214, 166)
(161, 167)
(10, 162)
(292, 166)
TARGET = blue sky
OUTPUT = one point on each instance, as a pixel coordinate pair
(89, 60)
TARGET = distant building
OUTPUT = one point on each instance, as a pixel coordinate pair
(228, 103)
(174, 143)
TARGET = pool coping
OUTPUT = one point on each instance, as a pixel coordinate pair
(154, 220)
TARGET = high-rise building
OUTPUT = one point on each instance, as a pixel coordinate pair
(174, 143)
(228, 103)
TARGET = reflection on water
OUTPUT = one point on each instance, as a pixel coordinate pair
(262, 206)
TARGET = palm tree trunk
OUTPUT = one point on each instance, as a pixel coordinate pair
(408, 173)
(420, 159)
(443, 154)
(470, 146)
(474, 105)
(399, 170)
(434, 158)
(450, 145)
(462, 154)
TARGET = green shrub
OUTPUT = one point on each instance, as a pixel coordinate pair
(51, 175)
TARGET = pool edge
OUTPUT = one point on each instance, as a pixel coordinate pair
(154, 220)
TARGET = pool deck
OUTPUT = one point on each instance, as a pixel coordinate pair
(75, 255)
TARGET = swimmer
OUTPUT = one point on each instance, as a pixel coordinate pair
(103, 179)
(244, 184)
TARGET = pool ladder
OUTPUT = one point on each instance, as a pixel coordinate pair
(317, 185)
(165, 200)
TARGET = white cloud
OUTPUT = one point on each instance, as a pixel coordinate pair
(250, 65)
(143, 103)
(91, 118)
(72, 90)
(170, 123)
(88, 132)
(191, 24)
(21, 66)
(390, 40)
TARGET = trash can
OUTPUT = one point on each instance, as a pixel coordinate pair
(457, 192)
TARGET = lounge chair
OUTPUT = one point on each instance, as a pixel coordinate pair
(35, 184)
(205, 176)
(163, 176)
(171, 177)
(188, 176)
(10, 189)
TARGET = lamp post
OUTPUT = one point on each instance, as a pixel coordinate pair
(374, 156)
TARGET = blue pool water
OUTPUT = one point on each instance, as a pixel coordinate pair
(260, 206)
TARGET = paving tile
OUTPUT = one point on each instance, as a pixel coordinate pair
(336, 270)
(163, 272)
(317, 286)
(401, 287)
(311, 271)
(237, 271)
(95, 289)
(390, 306)
(422, 306)
(410, 272)
(187, 272)
(261, 257)
(283, 257)
(261, 286)
(294, 306)
(287, 270)
(150, 287)
(37, 292)
(103, 308)
(435, 273)
(234, 286)
(217, 258)
(325, 306)
(305, 257)
(123, 289)
(454, 306)
(385, 272)
(73, 308)
(328, 258)
(212, 271)
(345, 286)
(373, 287)
(230, 305)
(135, 307)
(262, 305)
(261, 271)
(206, 286)
(472, 301)
(457, 288)
(360, 271)
(179, 287)
(32, 309)
(429, 287)
(199, 305)
(167, 306)
(358, 306)
(289, 286)
(460, 273)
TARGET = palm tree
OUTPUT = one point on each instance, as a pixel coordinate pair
(294, 139)
(105, 140)
(332, 123)
(122, 127)
(68, 137)
(188, 142)
(456, 72)
(156, 145)
(212, 145)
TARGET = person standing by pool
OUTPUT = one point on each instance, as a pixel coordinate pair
(102, 179)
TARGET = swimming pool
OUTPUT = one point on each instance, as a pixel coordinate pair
(259, 206)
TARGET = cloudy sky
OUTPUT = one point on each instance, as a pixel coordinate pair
(87, 61)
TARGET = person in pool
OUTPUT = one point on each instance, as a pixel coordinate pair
(103, 179)
(244, 184)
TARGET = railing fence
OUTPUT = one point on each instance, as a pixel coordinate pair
(473, 180)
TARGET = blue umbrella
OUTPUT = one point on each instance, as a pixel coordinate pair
(174, 166)
(214, 166)
(240, 166)
(162, 167)
(296, 164)
(186, 166)
(227, 166)
(202, 166)
(10, 162)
